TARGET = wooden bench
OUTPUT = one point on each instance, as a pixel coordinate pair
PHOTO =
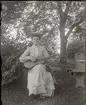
(79, 70)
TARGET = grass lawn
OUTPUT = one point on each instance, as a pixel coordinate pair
(65, 94)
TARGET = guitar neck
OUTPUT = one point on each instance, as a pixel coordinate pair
(44, 59)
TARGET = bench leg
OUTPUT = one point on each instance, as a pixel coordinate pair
(80, 80)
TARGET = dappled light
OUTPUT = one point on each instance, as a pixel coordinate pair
(62, 24)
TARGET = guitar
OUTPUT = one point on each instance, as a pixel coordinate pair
(30, 64)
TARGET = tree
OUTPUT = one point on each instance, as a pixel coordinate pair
(63, 23)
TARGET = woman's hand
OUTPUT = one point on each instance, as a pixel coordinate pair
(32, 58)
(24, 59)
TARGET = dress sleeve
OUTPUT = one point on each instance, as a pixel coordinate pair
(45, 53)
(24, 57)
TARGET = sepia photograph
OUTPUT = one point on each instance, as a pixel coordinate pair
(43, 52)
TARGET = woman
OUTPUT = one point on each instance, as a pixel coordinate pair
(39, 81)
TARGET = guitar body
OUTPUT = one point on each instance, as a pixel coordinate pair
(30, 64)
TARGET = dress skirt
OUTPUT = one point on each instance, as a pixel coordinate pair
(39, 81)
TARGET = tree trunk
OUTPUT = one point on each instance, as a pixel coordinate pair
(63, 40)
(63, 50)
(63, 47)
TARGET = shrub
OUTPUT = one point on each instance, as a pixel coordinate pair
(11, 68)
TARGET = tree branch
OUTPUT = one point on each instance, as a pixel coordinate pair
(66, 10)
(73, 26)
(39, 3)
(60, 9)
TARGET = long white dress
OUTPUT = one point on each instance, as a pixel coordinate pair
(39, 81)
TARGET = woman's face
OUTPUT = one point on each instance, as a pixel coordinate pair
(35, 40)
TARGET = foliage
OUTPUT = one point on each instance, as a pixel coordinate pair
(11, 67)
(12, 9)
(75, 47)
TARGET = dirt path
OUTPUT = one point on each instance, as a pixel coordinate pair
(66, 94)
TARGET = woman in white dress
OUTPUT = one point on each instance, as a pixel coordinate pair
(39, 81)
